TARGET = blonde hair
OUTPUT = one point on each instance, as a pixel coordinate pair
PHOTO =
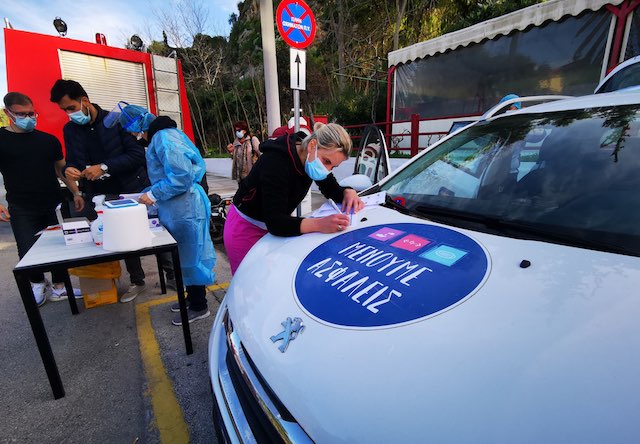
(331, 137)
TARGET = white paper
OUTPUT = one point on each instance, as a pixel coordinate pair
(49, 228)
(369, 201)
(374, 199)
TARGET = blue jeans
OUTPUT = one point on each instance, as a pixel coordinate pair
(26, 221)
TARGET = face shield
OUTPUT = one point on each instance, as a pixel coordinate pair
(114, 115)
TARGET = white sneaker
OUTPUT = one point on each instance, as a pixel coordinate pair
(60, 294)
(40, 290)
(132, 293)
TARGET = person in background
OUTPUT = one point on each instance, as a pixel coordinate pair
(514, 106)
(244, 150)
(175, 168)
(278, 183)
(32, 197)
(106, 161)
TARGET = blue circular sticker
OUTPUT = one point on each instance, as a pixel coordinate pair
(389, 274)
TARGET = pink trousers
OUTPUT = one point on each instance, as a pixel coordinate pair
(239, 236)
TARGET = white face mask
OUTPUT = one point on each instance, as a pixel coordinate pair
(239, 134)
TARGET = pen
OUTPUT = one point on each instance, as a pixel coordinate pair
(335, 207)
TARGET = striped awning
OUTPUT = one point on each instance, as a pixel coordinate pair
(536, 15)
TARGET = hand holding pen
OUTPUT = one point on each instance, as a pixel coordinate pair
(342, 222)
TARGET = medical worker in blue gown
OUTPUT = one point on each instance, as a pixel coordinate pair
(175, 168)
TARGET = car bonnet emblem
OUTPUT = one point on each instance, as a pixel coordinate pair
(292, 327)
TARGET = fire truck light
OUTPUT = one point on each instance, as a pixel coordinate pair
(60, 26)
(136, 42)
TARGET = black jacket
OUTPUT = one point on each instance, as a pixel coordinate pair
(93, 144)
(277, 184)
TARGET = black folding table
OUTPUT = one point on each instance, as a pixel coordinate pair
(50, 253)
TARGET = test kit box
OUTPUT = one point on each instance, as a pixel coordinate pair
(96, 292)
(76, 231)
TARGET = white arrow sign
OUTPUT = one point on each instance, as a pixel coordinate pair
(297, 68)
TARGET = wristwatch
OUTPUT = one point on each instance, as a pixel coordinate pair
(78, 193)
(104, 168)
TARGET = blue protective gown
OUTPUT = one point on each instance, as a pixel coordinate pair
(175, 168)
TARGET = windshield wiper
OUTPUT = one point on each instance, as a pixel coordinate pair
(529, 230)
(430, 211)
(551, 233)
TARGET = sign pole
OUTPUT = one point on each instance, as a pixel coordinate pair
(296, 109)
(297, 26)
(296, 128)
(270, 65)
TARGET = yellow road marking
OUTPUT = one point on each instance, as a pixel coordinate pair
(166, 409)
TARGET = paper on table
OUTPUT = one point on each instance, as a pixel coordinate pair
(49, 228)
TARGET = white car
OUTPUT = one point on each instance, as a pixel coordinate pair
(494, 297)
(624, 77)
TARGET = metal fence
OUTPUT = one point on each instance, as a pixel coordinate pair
(409, 141)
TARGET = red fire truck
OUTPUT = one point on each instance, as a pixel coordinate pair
(108, 74)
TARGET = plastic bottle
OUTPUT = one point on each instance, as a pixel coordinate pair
(97, 226)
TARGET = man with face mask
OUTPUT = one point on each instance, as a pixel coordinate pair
(105, 160)
(32, 198)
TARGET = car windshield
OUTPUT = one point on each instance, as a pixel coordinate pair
(570, 177)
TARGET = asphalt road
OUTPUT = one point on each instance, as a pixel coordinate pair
(100, 356)
(124, 367)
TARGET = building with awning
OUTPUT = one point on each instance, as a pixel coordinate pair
(557, 47)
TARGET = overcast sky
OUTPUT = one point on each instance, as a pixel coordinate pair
(116, 19)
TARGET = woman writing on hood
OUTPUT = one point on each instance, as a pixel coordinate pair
(280, 180)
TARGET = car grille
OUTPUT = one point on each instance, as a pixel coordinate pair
(257, 413)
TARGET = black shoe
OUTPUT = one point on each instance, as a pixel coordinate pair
(171, 284)
(175, 307)
(192, 316)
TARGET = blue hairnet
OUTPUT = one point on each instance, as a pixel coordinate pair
(509, 97)
(136, 119)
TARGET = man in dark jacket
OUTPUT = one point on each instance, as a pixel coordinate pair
(105, 160)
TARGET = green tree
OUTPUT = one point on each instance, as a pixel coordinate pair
(346, 65)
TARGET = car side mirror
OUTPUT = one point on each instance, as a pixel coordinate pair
(358, 182)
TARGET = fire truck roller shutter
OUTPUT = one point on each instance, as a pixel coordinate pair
(106, 80)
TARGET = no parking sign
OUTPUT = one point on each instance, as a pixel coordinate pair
(296, 23)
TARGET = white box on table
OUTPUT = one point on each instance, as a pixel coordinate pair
(76, 231)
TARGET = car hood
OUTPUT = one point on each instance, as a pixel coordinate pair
(498, 340)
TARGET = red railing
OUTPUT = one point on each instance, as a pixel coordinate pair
(394, 139)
